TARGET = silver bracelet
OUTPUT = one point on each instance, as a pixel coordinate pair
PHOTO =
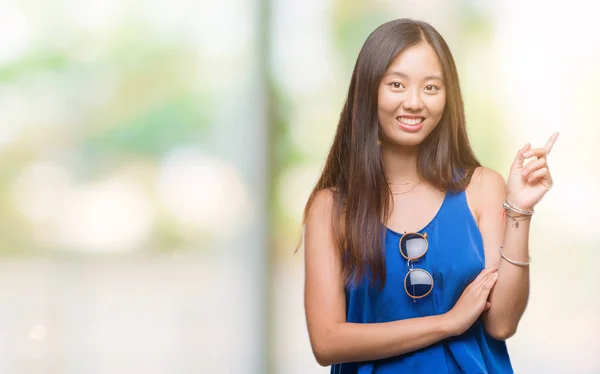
(516, 220)
(523, 264)
(514, 208)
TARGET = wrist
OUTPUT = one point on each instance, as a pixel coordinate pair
(518, 208)
(518, 215)
(447, 325)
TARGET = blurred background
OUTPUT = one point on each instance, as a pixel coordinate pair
(155, 158)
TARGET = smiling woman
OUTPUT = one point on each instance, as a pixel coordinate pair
(403, 234)
(420, 92)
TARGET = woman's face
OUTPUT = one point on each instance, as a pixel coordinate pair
(411, 96)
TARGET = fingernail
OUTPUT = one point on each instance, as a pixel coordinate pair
(527, 154)
(496, 276)
(525, 172)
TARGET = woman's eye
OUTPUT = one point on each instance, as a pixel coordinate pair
(431, 88)
(397, 85)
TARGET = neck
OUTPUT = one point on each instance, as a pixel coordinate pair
(400, 164)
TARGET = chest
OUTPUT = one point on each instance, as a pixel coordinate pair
(454, 254)
(413, 213)
(454, 257)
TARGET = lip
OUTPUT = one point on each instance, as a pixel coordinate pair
(410, 117)
(409, 128)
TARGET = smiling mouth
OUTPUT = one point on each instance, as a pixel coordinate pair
(410, 121)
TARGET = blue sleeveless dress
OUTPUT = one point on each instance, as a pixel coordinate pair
(454, 258)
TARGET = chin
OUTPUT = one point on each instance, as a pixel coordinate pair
(409, 142)
(408, 139)
(404, 141)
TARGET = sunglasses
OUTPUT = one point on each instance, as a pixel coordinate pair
(418, 283)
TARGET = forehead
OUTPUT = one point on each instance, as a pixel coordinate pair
(417, 60)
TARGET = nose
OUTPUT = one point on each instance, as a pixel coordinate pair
(412, 100)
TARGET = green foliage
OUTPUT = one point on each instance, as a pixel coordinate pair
(154, 130)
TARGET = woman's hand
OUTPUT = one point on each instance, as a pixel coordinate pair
(472, 302)
(527, 184)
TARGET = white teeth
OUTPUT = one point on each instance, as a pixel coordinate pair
(410, 122)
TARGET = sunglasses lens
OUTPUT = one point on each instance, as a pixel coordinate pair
(413, 246)
(418, 283)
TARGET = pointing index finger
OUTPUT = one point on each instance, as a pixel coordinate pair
(550, 142)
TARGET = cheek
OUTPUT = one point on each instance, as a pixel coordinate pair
(387, 102)
(436, 106)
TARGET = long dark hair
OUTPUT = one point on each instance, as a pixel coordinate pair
(354, 170)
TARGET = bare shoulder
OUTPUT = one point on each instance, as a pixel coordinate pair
(322, 215)
(321, 205)
(484, 178)
(486, 187)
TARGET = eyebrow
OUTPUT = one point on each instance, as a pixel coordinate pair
(400, 74)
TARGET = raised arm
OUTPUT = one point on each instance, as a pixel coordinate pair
(526, 186)
(509, 297)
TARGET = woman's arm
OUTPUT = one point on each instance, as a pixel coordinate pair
(526, 186)
(509, 296)
(333, 339)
